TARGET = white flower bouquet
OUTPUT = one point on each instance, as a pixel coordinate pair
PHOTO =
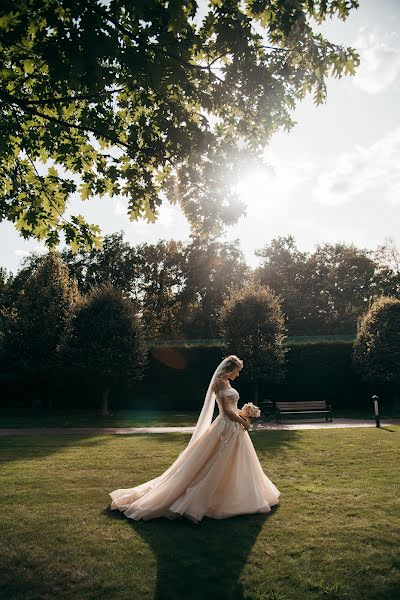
(249, 410)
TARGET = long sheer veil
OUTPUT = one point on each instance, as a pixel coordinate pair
(205, 417)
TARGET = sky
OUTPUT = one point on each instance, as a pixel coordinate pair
(335, 177)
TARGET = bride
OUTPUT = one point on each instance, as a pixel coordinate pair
(217, 475)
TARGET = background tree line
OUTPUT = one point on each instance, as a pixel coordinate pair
(178, 289)
(91, 316)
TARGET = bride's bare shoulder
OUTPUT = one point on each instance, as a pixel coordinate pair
(221, 384)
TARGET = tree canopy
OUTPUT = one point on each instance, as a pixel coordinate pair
(376, 353)
(104, 339)
(326, 290)
(34, 323)
(149, 99)
(178, 288)
(253, 324)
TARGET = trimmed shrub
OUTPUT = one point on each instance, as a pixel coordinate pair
(376, 354)
(253, 328)
(105, 341)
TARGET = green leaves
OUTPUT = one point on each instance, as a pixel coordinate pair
(121, 96)
(319, 95)
(41, 314)
(9, 20)
(85, 190)
(105, 338)
(179, 11)
(376, 351)
(252, 325)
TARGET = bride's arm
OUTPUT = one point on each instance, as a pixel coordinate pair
(232, 414)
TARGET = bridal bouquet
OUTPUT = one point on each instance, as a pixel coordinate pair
(250, 410)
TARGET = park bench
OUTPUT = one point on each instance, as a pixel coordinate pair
(311, 407)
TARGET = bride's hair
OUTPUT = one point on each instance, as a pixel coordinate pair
(232, 362)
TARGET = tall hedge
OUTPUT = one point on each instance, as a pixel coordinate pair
(177, 378)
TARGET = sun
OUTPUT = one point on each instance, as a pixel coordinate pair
(255, 185)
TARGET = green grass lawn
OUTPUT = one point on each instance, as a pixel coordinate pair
(136, 418)
(91, 418)
(335, 534)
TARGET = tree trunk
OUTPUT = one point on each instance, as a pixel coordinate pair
(50, 404)
(104, 401)
(256, 389)
(396, 400)
(35, 387)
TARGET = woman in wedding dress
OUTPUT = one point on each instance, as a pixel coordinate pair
(217, 475)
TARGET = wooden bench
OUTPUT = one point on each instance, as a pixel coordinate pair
(312, 407)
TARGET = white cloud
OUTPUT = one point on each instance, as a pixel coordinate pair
(365, 169)
(354, 198)
(379, 61)
(35, 248)
(120, 208)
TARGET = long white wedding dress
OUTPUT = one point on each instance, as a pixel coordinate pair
(219, 476)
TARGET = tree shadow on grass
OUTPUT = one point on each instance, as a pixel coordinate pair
(203, 560)
(272, 442)
(32, 447)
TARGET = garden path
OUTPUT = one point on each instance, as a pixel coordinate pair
(263, 426)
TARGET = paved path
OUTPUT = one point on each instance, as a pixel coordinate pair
(337, 423)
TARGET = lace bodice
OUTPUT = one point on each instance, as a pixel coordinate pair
(233, 396)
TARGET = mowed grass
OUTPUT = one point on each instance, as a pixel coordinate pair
(335, 534)
(25, 417)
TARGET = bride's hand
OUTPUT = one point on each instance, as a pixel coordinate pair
(246, 423)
